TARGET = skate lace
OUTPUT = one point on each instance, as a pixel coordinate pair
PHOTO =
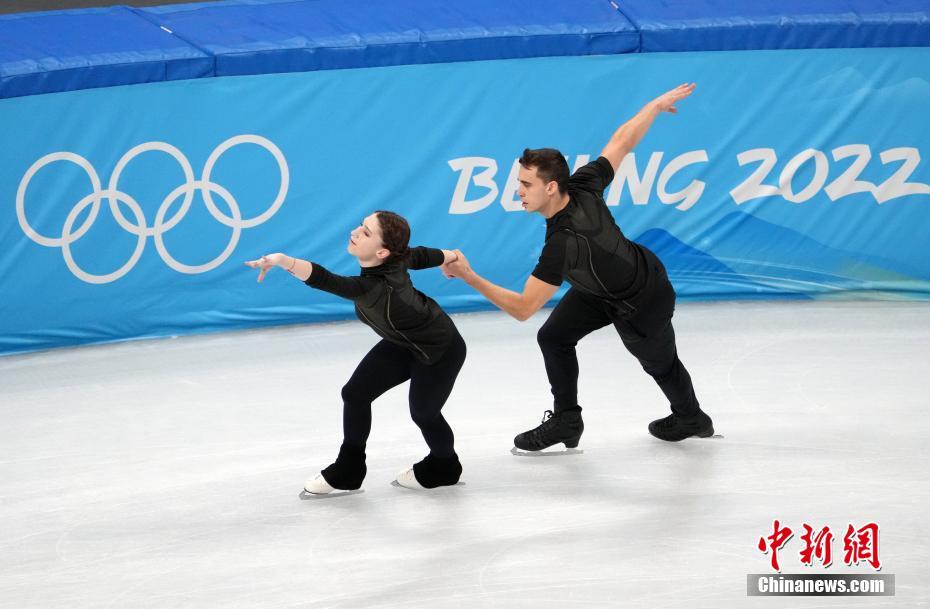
(548, 426)
(669, 421)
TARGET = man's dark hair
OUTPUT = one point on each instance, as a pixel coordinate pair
(395, 234)
(550, 166)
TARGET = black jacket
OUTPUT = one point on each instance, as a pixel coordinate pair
(386, 300)
(585, 247)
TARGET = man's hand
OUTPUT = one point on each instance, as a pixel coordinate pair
(628, 135)
(520, 306)
(666, 102)
(459, 267)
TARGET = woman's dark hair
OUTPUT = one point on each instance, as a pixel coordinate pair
(395, 234)
(550, 165)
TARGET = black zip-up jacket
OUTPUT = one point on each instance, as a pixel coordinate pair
(386, 300)
(585, 247)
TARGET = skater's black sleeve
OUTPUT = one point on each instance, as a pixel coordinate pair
(352, 288)
(593, 177)
(425, 258)
(551, 265)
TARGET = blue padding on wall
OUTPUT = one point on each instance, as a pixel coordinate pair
(81, 49)
(86, 49)
(717, 25)
(249, 37)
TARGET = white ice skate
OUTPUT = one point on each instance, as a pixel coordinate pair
(407, 479)
(318, 485)
(318, 488)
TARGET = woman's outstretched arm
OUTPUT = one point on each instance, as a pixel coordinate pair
(300, 269)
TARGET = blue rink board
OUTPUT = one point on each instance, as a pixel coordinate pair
(92, 48)
(803, 189)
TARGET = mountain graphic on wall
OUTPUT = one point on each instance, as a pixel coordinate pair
(697, 274)
(742, 255)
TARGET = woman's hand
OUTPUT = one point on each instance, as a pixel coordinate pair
(458, 267)
(266, 263)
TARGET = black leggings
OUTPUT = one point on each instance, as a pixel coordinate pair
(648, 335)
(388, 365)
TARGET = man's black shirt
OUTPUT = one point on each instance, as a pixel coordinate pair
(584, 245)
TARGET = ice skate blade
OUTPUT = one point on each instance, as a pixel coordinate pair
(711, 436)
(716, 436)
(704, 436)
(397, 484)
(551, 453)
(308, 496)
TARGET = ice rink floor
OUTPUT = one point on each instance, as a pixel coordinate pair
(165, 473)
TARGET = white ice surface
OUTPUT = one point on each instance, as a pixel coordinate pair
(166, 473)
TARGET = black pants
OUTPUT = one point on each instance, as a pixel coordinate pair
(388, 365)
(648, 335)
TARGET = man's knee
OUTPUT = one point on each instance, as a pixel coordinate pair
(549, 337)
(661, 370)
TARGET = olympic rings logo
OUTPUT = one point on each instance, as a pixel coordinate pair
(161, 225)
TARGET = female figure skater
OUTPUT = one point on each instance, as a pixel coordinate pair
(419, 342)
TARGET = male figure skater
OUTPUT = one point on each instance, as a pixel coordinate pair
(614, 281)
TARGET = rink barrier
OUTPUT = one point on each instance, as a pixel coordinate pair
(792, 174)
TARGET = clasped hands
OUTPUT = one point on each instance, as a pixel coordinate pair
(459, 267)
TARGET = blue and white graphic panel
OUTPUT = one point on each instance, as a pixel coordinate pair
(130, 210)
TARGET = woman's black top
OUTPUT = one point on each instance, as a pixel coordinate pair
(386, 300)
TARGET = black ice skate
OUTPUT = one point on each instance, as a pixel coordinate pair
(674, 428)
(564, 427)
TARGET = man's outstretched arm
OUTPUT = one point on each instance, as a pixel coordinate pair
(520, 306)
(631, 132)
